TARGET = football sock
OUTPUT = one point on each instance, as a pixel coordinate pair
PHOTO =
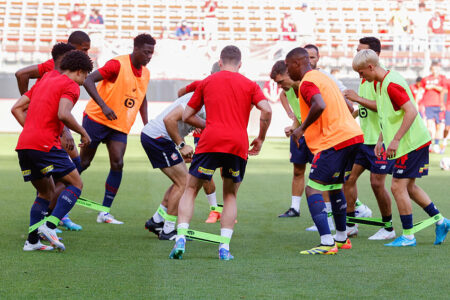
(295, 203)
(407, 223)
(111, 187)
(431, 210)
(169, 226)
(212, 200)
(37, 213)
(351, 214)
(66, 201)
(339, 207)
(341, 236)
(77, 162)
(387, 219)
(182, 226)
(317, 209)
(157, 217)
(226, 232)
(327, 240)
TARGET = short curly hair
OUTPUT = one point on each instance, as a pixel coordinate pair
(143, 39)
(76, 60)
(60, 49)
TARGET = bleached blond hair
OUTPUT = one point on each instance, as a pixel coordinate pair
(364, 58)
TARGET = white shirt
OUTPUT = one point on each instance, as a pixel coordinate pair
(156, 128)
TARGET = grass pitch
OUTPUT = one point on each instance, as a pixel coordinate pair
(128, 262)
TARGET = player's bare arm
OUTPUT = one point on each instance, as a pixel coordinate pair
(317, 107)
(264, 122)
(379, 146)
(353, 96)
(89, 85)
(24, 75)
(19, 109)
(290, 129)
(143, 110)
(171, 123)
(66, 136)
(65, 115)
(410, 114)
(286, 106)
(190, 117)
(182, 92)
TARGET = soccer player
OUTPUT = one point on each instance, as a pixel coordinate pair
(433, 101)
(163, 141)
(67, 141)
(407, 141)
(379, 167)
(228, 98)
(333, 136)
(80, 41)
(39, 147)
(112, 111)
(208, 186)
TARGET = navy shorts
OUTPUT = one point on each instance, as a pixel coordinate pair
(100, 133)
(332, 166)
(433, 112)
(413, 164)
(203, 166)
(300, 155)
(161, 152)
(37, 164)
(366, 158)
(196, 139)
(447, 117)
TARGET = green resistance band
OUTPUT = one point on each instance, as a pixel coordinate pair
(369, 221)
(423, 224)
(51, 219)
(217, 208)
(324, 187)
(91, 204)
(204, 236)
(166, 216)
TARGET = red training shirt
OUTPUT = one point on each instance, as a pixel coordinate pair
(111, 69)
(45, 67)
(432, 97)
(228, 98)
(42, 127)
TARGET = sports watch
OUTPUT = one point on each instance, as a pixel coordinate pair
(180, 146)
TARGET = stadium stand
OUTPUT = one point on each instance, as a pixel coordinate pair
(29, 28)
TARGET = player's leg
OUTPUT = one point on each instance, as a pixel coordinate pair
(178, 174)
(229, 215)
(116, 150)
(440, 133)
(45, 188)
(156, 223)
(233, 171)
(351, 193)
(299, 157)
(423, 200)
(210, 190)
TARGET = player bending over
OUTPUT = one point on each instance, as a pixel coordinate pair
(163, 141)
(407, 140)
(41, 157)
(80, 41)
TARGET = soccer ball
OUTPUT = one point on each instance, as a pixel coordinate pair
(445, 164)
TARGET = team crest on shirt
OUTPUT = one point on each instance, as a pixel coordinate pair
(174, 156)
